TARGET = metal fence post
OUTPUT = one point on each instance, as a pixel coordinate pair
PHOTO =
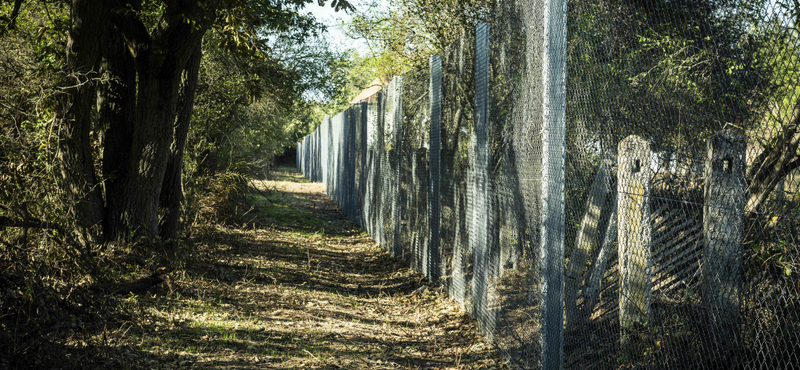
(397, 128)
(554, 66)
(434, 256)
(633, 187)
(479, 231)
(723, 231)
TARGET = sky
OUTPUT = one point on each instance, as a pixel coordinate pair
(333, 20)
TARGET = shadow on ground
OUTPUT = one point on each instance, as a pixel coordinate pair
(298, 287)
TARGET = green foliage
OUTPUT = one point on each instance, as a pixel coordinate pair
(663, 61)
(251, 102)
(40, 269)
(251, 109)
(779, 55)
(409, 31)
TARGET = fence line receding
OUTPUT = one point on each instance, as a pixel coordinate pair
(601, 184)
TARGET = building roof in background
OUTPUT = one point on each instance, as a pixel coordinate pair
(369, 93)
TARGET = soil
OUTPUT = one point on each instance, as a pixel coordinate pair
(294, 286)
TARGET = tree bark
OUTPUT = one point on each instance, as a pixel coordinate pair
(172, 186)
(159, 66)
(116, 101)
(74, 111)
(142, 134)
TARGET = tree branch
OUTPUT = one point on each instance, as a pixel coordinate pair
(32, 222)
(143, 284)
(11, 19)
(132, 29)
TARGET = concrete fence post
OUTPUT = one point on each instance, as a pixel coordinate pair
(633, 188)
(723, 231)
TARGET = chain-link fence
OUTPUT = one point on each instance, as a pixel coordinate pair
(601, 184)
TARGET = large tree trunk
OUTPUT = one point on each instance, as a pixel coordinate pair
(159, 66)
(74, 111)
(135, 210)
(172, 187)
(137, 111)
(116, 101)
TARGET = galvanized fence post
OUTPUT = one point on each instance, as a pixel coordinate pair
(554, 66)
(397, 129)
(434, 256)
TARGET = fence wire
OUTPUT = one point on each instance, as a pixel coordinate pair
(602, 184)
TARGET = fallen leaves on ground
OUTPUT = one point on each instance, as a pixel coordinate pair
(298, 286)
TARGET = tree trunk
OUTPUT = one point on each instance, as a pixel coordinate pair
(172, 187)
(159, 66)
(116, 101)
(74, 111)
(137, 109)
(11, 20)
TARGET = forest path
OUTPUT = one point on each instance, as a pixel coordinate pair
(300, 287)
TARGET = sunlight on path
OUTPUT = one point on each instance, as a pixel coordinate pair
(307, 289)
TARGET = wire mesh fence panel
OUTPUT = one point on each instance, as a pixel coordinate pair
(360, 163)
(434, 256)
(414, 170)
(345, 175)
(687, 95)
(458, 122)
(619, 193)
(388, 165)
(336, 171)
(385, 192)
(372, 198)
(350, 162)
(515, 127)
(478, 198)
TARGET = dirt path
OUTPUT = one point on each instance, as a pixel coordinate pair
(299, 288)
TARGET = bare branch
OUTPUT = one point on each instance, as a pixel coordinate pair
(32, 222)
